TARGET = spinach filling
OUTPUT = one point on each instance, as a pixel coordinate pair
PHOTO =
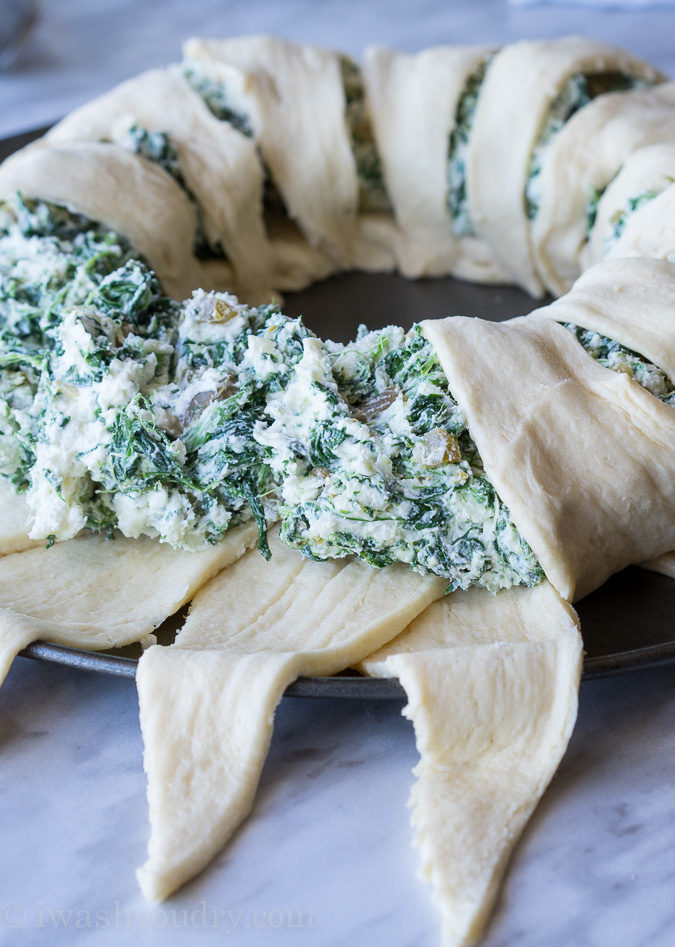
(385, 468)
(621, 359)
(578, 91)
(372, 189)
(218, 97)
(158, 148)
(592, 208)
(458, 147)
(121, 409)
(52, 261)
(620, 218)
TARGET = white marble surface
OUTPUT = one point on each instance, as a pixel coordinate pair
(326, 854)
(325, 860)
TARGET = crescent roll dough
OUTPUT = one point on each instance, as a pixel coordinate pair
(650, 169)
(224, 676)
(665, 564)
(520, 85)
(412, 101)
(630, 301)
(583, 158)
(650, 231)
(95, 593)
(492, 686)
(582, 456)
(109, 184)
(221, 167)
(297, 109)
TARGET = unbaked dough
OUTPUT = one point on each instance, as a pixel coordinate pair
(109, 184)
(250, 632)
(492, 687)
(297, 109)
(95, 593)
(582, 456)
(584, 157)
(520, 85)
(221, 167)
(413, 99)
(650, 231)
(650, 169)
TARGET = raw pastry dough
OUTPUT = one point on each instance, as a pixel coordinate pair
(650, 231)
(109, 184)
(250, 632)
(294, 100)
(663, 564)
(648, 169)
(630, 301)
(412, 100)
(584, 156)
(582, 456)
(95, 593)
(520, 85)
(492, 687)
(221, 167)
(297, 109)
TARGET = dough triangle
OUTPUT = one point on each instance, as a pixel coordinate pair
(16, 632)
(207, 702)
(492, 719)
(204, 761)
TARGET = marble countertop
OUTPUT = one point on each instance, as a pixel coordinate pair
(326, 857)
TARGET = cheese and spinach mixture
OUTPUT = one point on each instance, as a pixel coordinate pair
(621, 359)
(372, 189)
(122, 409)
(579, 90)
(458, 150)
(219, 95)
(373, 458)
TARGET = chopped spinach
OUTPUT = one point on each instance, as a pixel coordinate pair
(458, 148)
(372, 188)
(120, 409)
(158, 148)
(592, 208)
(621, 359)
(388, 471)
(217, 97)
